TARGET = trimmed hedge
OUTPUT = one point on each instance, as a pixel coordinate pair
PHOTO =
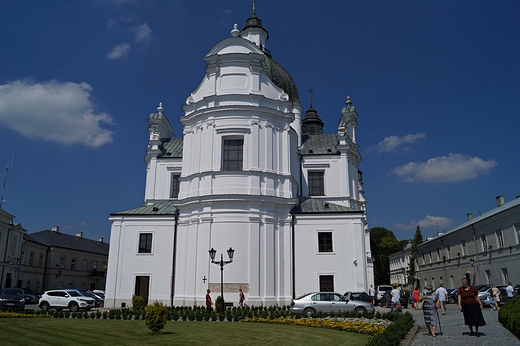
(394, 333)
(509, 316)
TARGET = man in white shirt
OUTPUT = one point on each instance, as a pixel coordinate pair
(442, 294)
(371, 294)
(509, 291)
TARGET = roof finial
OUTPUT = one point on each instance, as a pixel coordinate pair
(235, 32)
(349, 101)
(310, 91)
(254, 8)
(160, 109)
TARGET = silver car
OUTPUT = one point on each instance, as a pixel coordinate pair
(327, 302)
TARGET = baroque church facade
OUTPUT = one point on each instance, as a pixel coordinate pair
(251, 172)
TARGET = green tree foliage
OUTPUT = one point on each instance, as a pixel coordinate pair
(156, 316)
(382, 244)
(137, 302)
(417, 239)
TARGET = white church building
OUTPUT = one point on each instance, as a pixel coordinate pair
(250, 172)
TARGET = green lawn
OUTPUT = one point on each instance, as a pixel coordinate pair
(59, 331)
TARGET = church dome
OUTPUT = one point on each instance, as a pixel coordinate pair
(281, 78)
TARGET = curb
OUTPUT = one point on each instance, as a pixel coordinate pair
(410, 335)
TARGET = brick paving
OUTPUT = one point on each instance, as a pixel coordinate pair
(455, 333)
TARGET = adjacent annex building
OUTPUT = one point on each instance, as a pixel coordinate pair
(252, 172)
(485, 249)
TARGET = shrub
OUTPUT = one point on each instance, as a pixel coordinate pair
(137, 302)
(509, 316)
(395, 332)
(156, 316)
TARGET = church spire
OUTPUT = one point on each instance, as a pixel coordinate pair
(254, 8)
(254, 31)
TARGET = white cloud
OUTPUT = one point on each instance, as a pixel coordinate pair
(445, 169)
(396, 143)
(437, 222)
(143, 34)
(118, 52)
(57, 112)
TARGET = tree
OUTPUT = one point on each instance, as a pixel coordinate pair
(417, 239)
(382, 244)
(156, 316)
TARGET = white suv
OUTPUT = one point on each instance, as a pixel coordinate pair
(65, 299)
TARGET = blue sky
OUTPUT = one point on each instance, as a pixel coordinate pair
(436, 85)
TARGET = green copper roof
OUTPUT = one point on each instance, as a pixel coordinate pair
(281, 78)
(171, 148)
(311, 205)
(160, 208)
(319, 145)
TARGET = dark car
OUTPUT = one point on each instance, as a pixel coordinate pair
(361, 296)
(99, 302)
(452, 296)
(12, 298)
(386, 300)
(31, 297)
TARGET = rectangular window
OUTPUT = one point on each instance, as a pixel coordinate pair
(145, 243)
(438, 255)
(488, 276)
(62, 262)
(40, 261)
(31, 258)
(517, 231)
(464, 248)
(73, 264)
(85, 265)
(233, 154)
(326, 283)
(505, 277)
(13, 245)
(22, 260)
(174, 186)
(316, 183)
(448, 250)
(500, 238)
(483, 240)
(325, 241)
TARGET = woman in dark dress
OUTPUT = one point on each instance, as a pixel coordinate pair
(471, 306)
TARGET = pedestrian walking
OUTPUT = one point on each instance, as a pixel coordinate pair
(495, 298)
(442, 294)
(509, 291)
(430, 306)
(471, 306)
(371, 294)
(209, 302)
(416, 297)
(241, 298)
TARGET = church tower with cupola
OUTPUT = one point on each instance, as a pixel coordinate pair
(250, 175)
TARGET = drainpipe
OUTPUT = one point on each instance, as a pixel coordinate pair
(476, 254)
(174, 256)
(293, 273)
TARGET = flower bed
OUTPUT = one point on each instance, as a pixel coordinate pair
(367, 326)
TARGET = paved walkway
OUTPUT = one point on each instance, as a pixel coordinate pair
(455, 333)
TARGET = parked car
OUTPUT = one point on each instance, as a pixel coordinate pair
(31, 297)
(361, 296)
(386, 300)
(327, 302)
(453, 295)
(65, 299)
(380, 290)
(12, 298)
(99, 302)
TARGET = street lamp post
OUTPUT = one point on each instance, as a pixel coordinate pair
(222, 263)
